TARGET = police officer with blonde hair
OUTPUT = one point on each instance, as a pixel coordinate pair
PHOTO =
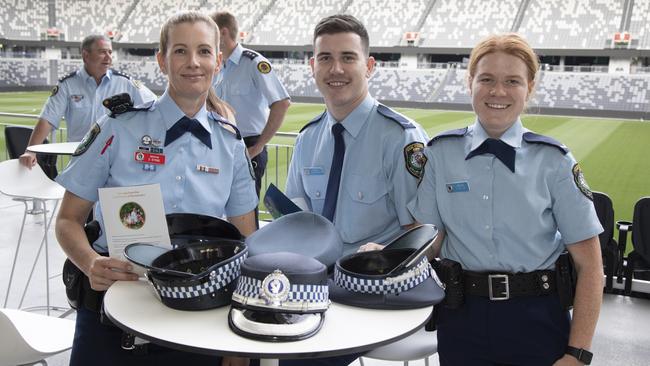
(183, 142)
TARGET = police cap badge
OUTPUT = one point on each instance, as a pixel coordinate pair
(279, 297)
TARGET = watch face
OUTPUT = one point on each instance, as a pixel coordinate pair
(582, 355)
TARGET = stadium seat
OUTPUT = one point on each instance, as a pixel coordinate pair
(638, 261)
(608, 246)
(17, 137)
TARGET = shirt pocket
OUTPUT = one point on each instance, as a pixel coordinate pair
(315, 188)
(368, 209)
(79, 101)
(241, 88)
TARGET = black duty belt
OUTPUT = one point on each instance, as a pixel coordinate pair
(251, 140)
(502, 286)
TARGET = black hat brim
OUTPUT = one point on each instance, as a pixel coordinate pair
(274, 326)
(427, 293)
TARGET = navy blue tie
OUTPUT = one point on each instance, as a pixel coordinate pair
(499, 149)
(329, 207)
(187, 124)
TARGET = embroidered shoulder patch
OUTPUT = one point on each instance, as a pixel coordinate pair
(264, 67)
(54, 90)
(85, 143)
(415, 159)
(581, 182)
(136, 83)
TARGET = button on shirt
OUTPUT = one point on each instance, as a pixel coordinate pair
(79, 100)
(249, 91)
(185, 188)
(375, 185)
(496, 220)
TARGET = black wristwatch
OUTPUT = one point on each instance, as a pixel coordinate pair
(581, 354)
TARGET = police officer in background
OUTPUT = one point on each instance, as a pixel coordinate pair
(247, 82)
(359, 162)
(508, 202)
(78, 96)
(182, 142)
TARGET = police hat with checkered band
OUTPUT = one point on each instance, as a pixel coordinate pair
(301, 232)
(279, 297)
(397, 277)
(200, 272)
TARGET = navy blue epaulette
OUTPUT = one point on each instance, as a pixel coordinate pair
(534, 138)
(314, 121)
(119, 73)
(460, 132)
(394, 116)
(227, 125)
(68, 76)
(250, 54)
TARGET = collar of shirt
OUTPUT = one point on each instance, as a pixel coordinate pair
(512, 136)
(357, 118)
(172, 113)
(86, 76)
(235, 56)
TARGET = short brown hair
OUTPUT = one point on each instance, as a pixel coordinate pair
(509, 43)
(343, 23)
(228, 21)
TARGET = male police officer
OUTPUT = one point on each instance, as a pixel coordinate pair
(247, 82)
(358, 163)
(78, 96)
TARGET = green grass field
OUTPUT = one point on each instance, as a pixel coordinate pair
(613, 153)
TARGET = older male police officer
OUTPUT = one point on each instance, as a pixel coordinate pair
(247, 82)
(359, 162)
(78, 96)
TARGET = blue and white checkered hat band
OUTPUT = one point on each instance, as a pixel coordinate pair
(219, 278)
(300, 297)
(389, 285)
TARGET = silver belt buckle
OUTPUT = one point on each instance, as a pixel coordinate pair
(504, 280)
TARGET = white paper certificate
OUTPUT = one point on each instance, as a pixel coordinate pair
(133, 214)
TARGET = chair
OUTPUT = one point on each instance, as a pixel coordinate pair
(419, 345)
(30, 184)
(29, 338)
(17, 138)
(638, 261)
(608, 246)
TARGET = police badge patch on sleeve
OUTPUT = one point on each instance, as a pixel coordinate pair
(580, 181)
(415, 159)
(54, 90)
(264, 67)
(87, 140)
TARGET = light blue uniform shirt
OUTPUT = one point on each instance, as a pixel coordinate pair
(248, 84)
(375, 182)
(110, 162)
(496, 220)
(78, 98)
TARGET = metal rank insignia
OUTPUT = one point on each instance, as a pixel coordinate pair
(146, 140)
(207, 169)
(275, 288)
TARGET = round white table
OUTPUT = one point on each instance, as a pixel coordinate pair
(134, 307)
(58, 148)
